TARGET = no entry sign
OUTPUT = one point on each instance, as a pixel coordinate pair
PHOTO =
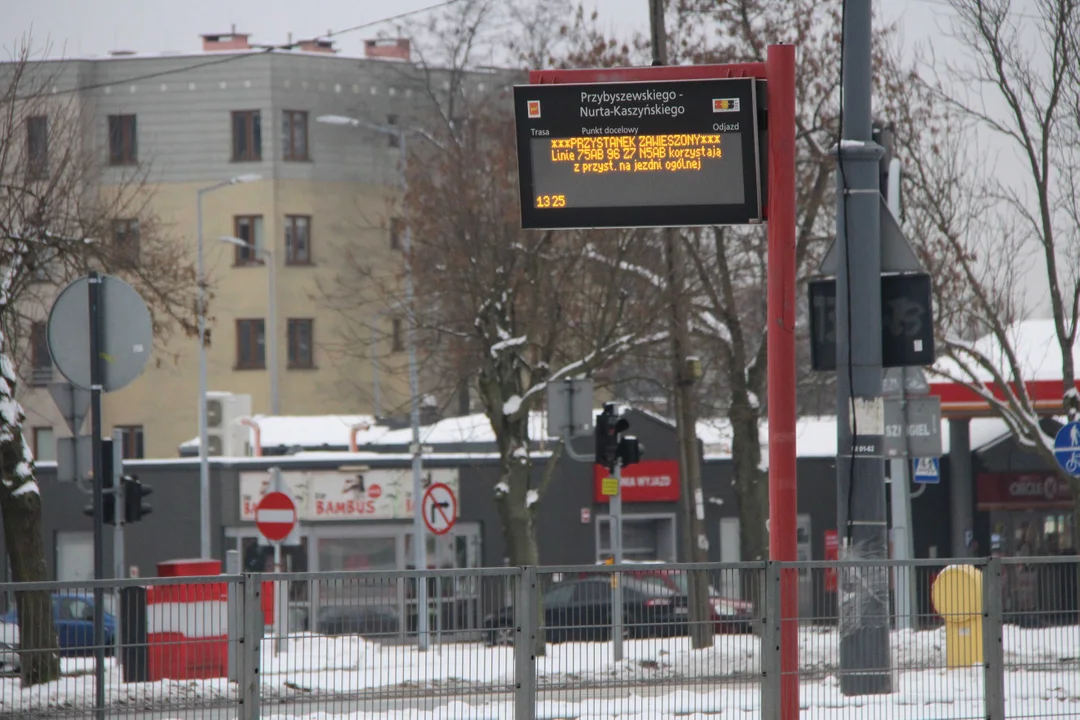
(275, 516)
(440, 508)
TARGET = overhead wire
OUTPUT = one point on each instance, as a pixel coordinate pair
(259, 50)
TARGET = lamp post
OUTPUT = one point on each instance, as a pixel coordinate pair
(271, 309)
(204, 458)
(419, 530)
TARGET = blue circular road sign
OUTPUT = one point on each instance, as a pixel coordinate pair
(1067, 448)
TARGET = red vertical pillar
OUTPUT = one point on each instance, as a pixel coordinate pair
(780, 72)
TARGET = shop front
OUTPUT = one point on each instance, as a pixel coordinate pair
(650, 494)
(360, 519)
(1031, 514)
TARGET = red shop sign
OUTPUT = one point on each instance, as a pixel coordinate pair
(1023, 491)
(646, 481)
(832, 552)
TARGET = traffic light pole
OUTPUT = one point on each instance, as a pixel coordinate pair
(615, 527)
(97, 452)
(118, 529)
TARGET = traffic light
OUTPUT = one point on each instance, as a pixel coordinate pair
(108, 500)
(134, 492)
(609, 427)
(630, 450)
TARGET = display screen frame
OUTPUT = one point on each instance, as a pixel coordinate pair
(561, 105)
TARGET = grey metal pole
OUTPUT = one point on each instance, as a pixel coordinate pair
(617, 552)
(118, 529)
(419, 530)
(376, 390)
(272, 333)
(861, 512)
(204, 458)
(98, 459)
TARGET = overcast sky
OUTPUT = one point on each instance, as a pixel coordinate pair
(94, 27)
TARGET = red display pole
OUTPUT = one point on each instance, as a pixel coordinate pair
(780, 70)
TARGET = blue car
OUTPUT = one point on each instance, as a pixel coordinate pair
(74, 618)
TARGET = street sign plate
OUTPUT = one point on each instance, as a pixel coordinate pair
(126, 333)
(904, 381)
(1067, 448)
(913, 427)
(639, 154)
(907, 322)
(926, 471)
(440, 508)
(609, 487)
(72, 402)
(275, 516)
(570, 407)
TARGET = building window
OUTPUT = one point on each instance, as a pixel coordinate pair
(394, 139)
(297, 240)
(43, 444)
(300, 343)
(397, 229)
(249, 229)
(131, 442)
(40, 357)
(397, 341)
(294, 135)
(250, 344)
(246, 136)
(126, 241)
(122, 143)
(37, 147)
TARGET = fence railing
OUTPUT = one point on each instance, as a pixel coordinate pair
(991, 638)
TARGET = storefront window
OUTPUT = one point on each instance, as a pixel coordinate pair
(644, 539)
(357, 553)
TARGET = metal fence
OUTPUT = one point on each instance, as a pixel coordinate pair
(938, 639)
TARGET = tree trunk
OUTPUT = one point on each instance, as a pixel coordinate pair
(39, 657)
(752, 492)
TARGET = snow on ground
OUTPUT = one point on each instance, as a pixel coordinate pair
(316, 667)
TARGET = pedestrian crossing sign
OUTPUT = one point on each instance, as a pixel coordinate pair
(926, 471)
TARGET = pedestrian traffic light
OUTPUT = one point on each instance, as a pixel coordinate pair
(108, 500)
(134, 492)
(609, 427)
(630, 450)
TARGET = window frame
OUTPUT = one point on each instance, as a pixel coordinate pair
(397, 232)
(37, 168)
(393, 139)
(292, 343)
(248, 254)
(291, 256)
(123, 140)
(41, 362)
(288, 132)
(35, 442)
(252, 328)
(132, 435)
(252, 134)
(397, 335)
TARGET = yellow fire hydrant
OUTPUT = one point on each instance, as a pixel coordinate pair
(957, 597)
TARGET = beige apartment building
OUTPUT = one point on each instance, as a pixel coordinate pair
(321, 207)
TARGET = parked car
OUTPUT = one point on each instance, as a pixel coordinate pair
(74, 618)
(729, 615)
(9, 649)
(373, 621)
(580, 611)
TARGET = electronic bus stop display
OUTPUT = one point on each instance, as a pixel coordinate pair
(638, 154)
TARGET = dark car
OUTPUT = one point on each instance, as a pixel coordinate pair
(365, 620)
(74, 618)
(728, 614)
(580, 611)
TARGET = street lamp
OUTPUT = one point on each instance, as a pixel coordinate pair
(419, 530)
(204, 459)
(271, 303)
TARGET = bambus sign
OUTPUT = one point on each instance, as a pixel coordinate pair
(343, 495)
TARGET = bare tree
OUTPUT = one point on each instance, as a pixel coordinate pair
(59, 218)
(1001, 235)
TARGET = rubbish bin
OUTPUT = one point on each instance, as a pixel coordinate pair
(957, 597)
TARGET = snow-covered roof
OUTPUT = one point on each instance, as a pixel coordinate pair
(311, 430)
(474, 428)
(815, 437)
(1037, 352)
